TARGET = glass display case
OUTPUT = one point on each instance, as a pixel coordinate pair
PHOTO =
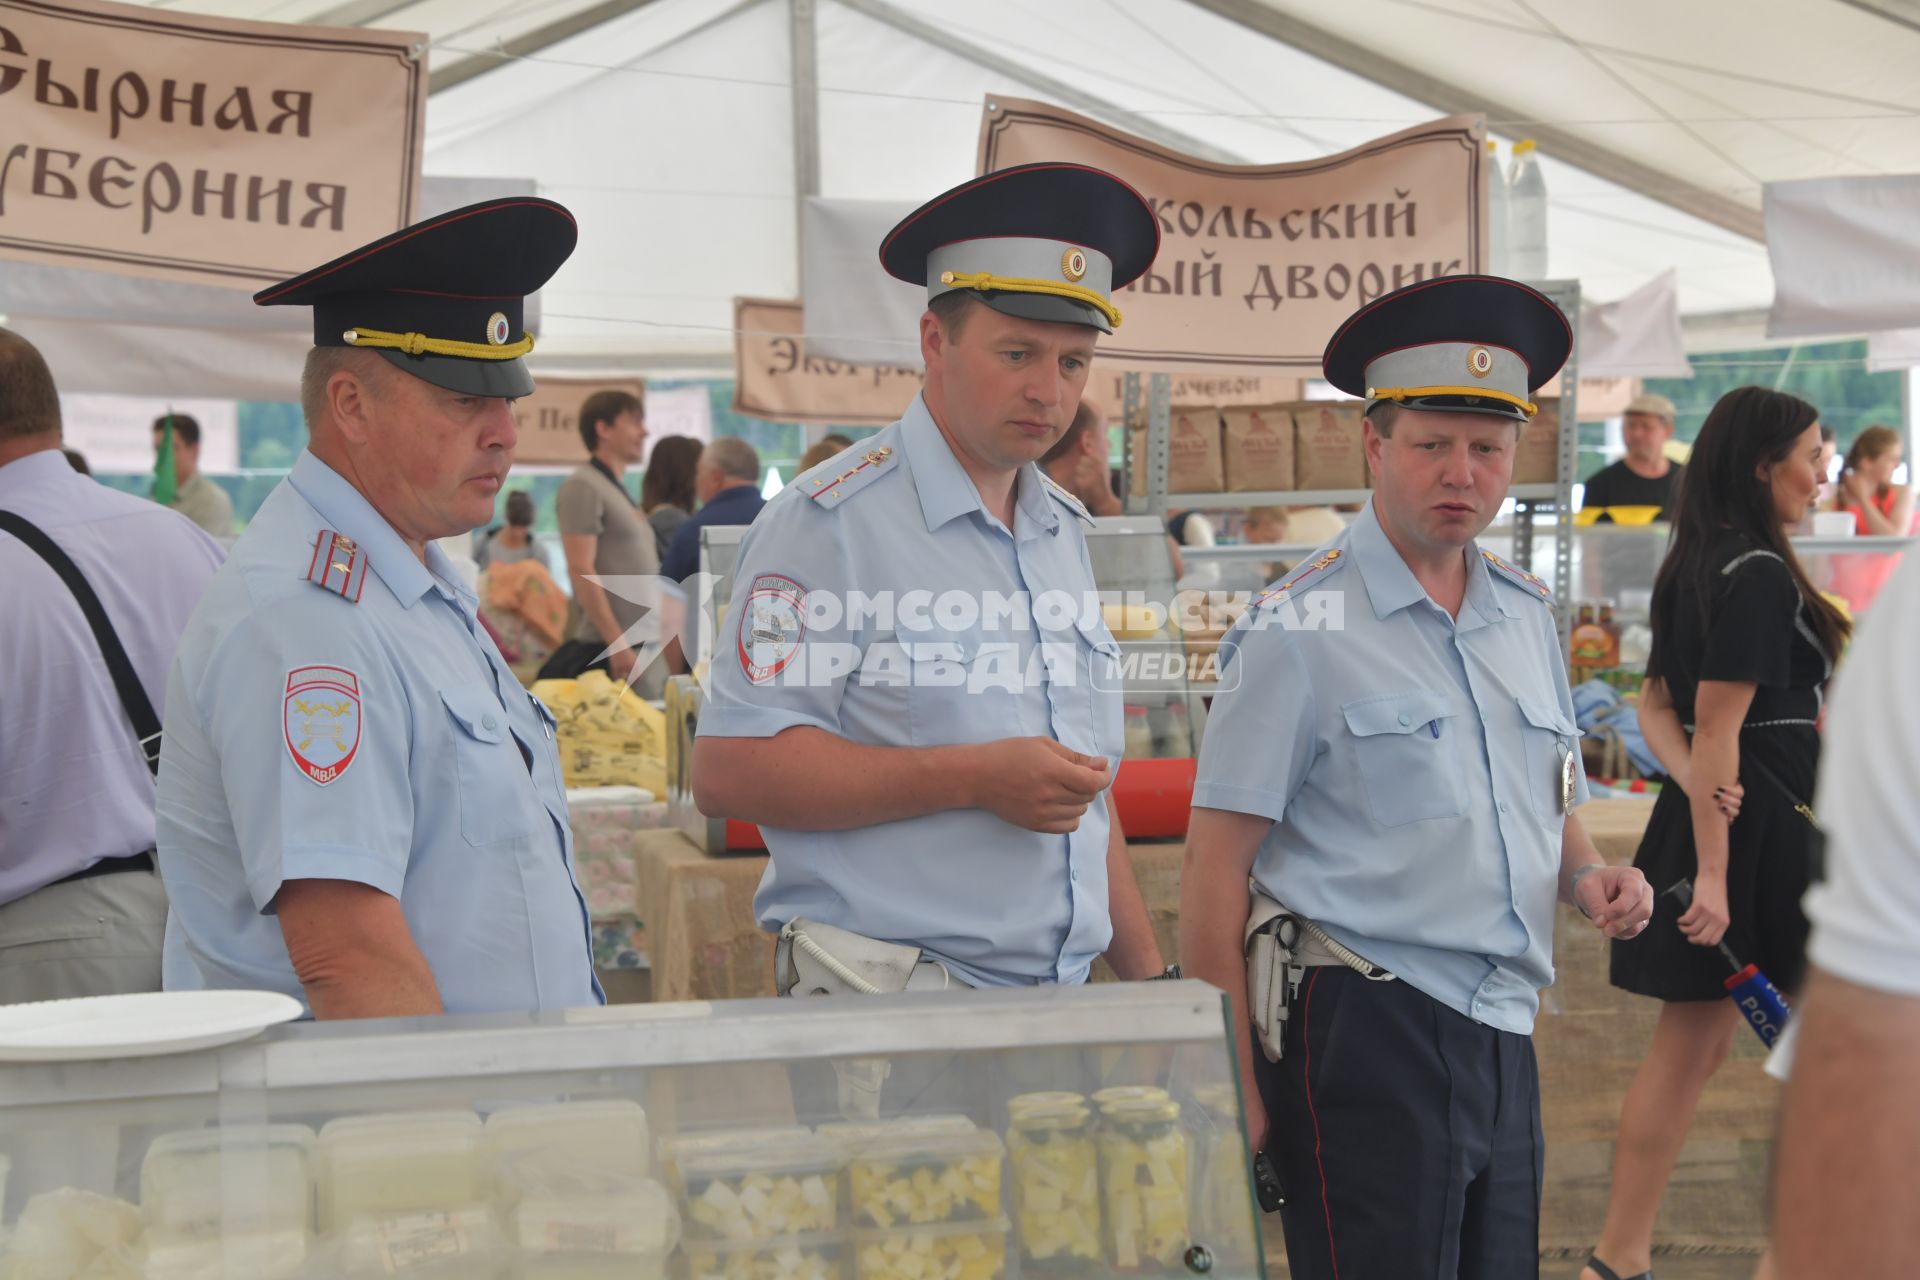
(1167, 637)
(1089, 1131)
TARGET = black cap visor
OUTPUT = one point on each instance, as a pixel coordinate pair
(1042, 306)
(510, 379)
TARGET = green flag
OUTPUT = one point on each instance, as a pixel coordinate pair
(166, 485)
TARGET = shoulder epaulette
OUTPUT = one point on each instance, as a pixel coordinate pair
(339, 565)
(1065, 498)
(1519, 578)
(831, 490)
(1326, 563)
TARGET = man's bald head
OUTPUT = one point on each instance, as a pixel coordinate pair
(29, 403)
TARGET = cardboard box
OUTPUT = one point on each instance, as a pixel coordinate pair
(1329, 451)
(1536, 459)
(1258, 441)
(1195, 456)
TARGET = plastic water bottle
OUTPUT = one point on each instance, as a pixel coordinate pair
(1526, 215)
(1497, 229)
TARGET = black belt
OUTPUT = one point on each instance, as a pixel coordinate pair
(107, 866)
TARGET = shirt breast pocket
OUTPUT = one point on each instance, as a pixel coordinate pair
(957, 687)
(496, 791)
(1407, 751)
(1549, 737)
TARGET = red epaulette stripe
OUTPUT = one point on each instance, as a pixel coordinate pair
(827, 487)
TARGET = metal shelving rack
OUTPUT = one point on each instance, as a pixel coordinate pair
(1530, 500)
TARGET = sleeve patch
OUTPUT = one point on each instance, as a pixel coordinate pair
(321, 720)
(773, 621)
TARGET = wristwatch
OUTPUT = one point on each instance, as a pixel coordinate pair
(1170, 974)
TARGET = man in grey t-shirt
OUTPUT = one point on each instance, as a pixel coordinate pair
(605, 535)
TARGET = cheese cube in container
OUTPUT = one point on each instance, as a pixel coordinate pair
(405, 1162)
(233, 1178)
(809, 1257)
(948, 1251)
(781, 1187)
(600, 1137)
(919, 1178)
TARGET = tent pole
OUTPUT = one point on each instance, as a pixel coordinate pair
(806, 124)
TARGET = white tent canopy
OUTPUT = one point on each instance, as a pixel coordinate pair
(684, 133)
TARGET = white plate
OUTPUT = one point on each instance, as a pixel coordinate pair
(137, 1026)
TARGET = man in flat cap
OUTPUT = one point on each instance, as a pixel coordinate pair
(359, 805)
(915, 693)
(1646, 477)
(1399, 785)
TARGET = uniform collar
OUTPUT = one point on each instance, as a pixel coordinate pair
(345, 510)
(947, 491)
(1391, 585)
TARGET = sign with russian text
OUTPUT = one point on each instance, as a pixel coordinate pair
(775, 378)
(166, 144)
(1259, 264)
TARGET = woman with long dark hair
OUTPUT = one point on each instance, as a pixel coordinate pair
(666, 488)
(1742, 648)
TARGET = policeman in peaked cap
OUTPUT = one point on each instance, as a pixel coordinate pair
(1393, 762)
(931, 773)
(359, 804)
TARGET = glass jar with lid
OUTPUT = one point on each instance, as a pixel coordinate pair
(1145, 1179)
(1054, 1166)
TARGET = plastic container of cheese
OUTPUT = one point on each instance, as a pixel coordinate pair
(404, 1163)
(852, 1133)
(781, 1187)
(608, 1137)
(950, 1251)
(592, 1218)
(252, 1178)
(922, 1178)
(673, 1149)
(809, 1257)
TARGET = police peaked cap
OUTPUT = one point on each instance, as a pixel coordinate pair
(1039, 241)
(442, 299)
(1459, 344)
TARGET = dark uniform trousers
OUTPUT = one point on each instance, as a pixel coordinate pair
(1406, 1135)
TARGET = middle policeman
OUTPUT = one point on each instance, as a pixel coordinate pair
(930, 766)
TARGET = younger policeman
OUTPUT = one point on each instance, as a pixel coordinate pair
(359, 805)
(929, 768)
(1401, 782)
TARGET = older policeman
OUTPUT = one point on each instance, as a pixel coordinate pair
(932, 773)
(359, 805)
(1401, 783)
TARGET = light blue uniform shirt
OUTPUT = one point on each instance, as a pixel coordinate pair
(1411, 765)
(999, 904)
(450, 800)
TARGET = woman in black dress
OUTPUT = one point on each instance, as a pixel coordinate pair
(1742, 648)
